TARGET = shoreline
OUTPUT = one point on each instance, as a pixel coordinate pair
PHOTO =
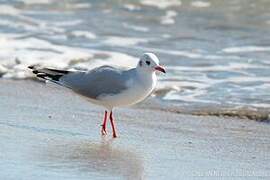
(244, 113)
(155, 103)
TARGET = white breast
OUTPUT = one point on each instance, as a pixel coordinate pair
(138, 90)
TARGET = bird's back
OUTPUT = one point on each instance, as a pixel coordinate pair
(97, 82)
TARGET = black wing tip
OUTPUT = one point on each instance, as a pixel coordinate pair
(35, 71)
(58, 71)
(48, 73)
(41, 75)
(31, 67)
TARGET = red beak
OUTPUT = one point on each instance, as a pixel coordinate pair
(161, 69)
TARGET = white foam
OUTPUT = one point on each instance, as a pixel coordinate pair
(166, 36)
(261, 105)
(9, 10)
(67, 5)
(200, 4)
(30, 2)
(18, 25)
(233, 67)
(76, 5)
(3, 69)
(161, 4)
(85, 34)
(123, 41)
(246, 49)
(31, 24)
(168, 18)
(81, 5)
(16, 54)
(135, 27)
(67, 23)
(188, 54)
(190, 97)
(34, 50)
(131, 7)
(248, 79)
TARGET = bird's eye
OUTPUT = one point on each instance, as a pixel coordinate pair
(148, 62)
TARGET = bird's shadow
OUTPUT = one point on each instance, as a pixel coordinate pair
(95, 158)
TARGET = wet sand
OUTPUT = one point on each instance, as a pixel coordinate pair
(49, 133)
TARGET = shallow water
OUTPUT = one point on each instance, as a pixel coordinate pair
(216, 52)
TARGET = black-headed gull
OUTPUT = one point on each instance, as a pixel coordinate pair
(108, 86)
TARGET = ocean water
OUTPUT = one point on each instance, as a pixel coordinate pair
(216, 52)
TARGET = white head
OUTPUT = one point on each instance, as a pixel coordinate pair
(150, 62)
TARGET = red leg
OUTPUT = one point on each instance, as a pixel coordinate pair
(113, 128)
(103, 126)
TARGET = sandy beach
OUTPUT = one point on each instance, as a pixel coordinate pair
(50, 133)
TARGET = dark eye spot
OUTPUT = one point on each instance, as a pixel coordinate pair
(148, 62)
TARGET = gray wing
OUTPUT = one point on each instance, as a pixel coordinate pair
(104, 80)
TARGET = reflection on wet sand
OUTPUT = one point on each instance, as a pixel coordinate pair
(98, 159)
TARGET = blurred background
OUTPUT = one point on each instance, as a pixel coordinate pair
(216, 52)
